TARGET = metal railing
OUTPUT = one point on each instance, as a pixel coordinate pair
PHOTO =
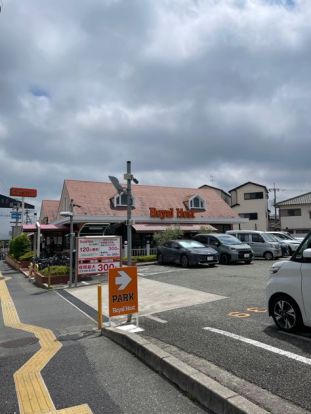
(141, 252)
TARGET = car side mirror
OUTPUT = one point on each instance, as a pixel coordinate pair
(307, 254)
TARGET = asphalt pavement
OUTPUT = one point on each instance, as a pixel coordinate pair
(88, 370)
(215, 320)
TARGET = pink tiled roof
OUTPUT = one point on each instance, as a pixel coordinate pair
(95, 199)
(49, 209)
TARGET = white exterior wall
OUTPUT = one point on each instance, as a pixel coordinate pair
(259, 206)
(296, 223)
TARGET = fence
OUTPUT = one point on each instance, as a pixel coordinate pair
(147, 251)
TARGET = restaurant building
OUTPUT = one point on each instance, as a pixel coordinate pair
(99, 209)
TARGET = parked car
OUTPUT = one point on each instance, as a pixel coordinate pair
(262, 243)
(289, 289)
(230, 248)
(283, 245)
(291, 242)
(186, 253)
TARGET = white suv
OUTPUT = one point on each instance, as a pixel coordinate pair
(290, 241)
(289, 289)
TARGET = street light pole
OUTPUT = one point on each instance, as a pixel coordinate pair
(71, 236)
(71, 244)
(129, 177)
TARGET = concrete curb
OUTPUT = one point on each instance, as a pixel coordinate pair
(208, 392)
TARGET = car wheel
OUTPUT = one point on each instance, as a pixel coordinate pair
(160, 259)
(184, 261)
(286, 314)
(290, 251)
(268, 256)
(224, 259)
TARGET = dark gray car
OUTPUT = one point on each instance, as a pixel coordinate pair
(230, 248)
(186, 253)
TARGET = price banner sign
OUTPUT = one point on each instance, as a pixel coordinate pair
(98, 254)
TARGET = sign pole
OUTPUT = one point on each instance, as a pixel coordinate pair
(23, 209)
(129, 213)
(100, 307)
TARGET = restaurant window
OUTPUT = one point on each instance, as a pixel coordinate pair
(196, 203)
(120, 200)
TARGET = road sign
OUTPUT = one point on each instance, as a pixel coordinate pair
(23, 192)
(98, 254)
(122, 291)
(16, 215)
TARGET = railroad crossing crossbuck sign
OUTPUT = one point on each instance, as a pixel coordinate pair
(123, 293)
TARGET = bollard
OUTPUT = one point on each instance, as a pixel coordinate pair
(49, 277)
(100, 308)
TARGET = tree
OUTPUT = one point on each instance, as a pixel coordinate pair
(171, 233)
(19, 246)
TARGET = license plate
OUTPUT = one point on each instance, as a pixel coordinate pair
(246, 255)
(209, 258)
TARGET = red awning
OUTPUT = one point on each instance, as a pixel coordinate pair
(146, 228)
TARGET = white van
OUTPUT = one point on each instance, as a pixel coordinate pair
(289, 289)
(263, 244)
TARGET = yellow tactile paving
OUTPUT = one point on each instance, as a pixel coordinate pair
(32, 394)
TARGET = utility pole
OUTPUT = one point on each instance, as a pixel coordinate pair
(274, 189)
(129, 178)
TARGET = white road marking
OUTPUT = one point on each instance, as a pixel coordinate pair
(158, 271)
(261, 345)
(155, 318)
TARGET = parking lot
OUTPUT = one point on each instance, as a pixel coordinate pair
(231, 329)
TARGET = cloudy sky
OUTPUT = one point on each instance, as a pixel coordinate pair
(191, 91)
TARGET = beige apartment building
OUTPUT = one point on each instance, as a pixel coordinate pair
(250, 201)
(295, 214)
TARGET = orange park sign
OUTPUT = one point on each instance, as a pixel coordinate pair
(122, 291)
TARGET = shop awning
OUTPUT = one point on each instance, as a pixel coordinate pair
(31, 228)
(150, 228)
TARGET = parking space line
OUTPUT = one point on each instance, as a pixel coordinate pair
(261, 345)
(155, 318)
(32, 394)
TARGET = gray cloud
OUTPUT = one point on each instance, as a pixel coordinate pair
(185, 89)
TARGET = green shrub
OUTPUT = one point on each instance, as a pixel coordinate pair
(141, 259)
(172, 233)
(27, 256)
(19, 246)
(55, 271)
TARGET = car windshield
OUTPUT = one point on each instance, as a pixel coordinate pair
(269, 237)
(190, 244)
(281, 236)
(227, 239)
(289, 236)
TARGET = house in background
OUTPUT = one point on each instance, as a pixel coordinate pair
(250, 201)
(295, 214)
